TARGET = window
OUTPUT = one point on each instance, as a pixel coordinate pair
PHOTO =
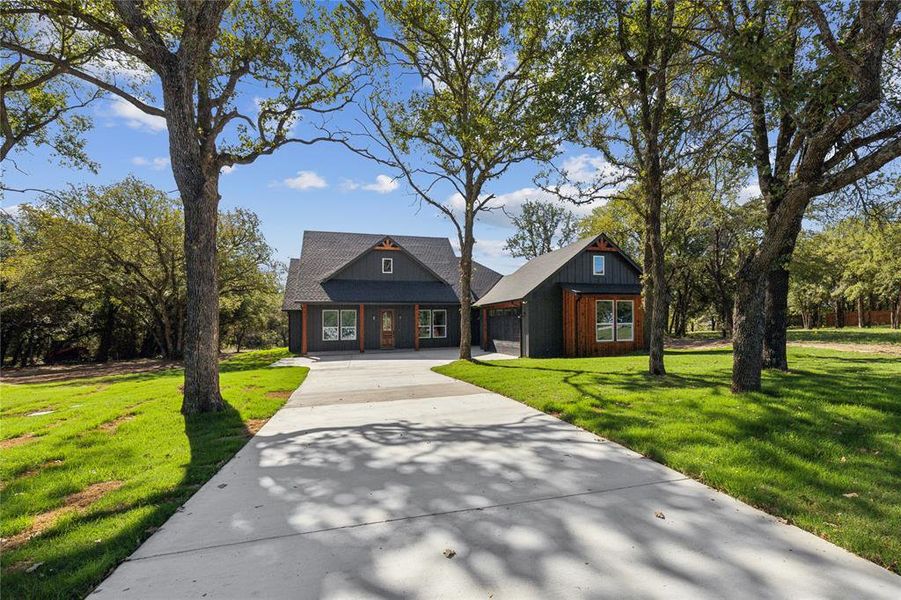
(432, 324)
(387, 265)
(597, 264)
(425, 324)
(625, 321)
(330, 326)
(439, 323)
(348, 324)
(604, 321)
(331, 332)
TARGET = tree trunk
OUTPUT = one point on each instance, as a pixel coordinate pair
(106, 334)
(775, 355)
(776, 318)
(658, 276)
(839, 314)
(202, 324)
(647, 293)
(196, 174)
(747, 334)
(466, 287)
(860, 319)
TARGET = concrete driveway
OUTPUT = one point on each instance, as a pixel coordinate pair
(382, 479)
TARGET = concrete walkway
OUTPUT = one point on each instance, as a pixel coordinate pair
(382, 479)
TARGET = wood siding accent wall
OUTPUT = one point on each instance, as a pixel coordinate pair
(579, 337)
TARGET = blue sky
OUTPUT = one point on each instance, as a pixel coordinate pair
(324, 187)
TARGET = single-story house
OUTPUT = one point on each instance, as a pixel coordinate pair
(350, 291)
(581, 300)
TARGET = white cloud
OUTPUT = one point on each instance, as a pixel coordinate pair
(383, 184)
(585, 168)
(511, 203)
(157, 163)
(305, 180)
(749, 192)
(12, 210)
(228, 169)
(135, 117)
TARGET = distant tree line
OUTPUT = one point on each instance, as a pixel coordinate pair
(853, 265)
(99, 273)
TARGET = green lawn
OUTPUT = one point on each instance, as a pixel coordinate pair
(832, 335)
(820, 446)
(112, 462)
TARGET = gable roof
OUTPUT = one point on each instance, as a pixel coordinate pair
(325, 253)
(532, 274)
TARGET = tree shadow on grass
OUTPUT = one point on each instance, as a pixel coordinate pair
(774, 448)
(72, 567)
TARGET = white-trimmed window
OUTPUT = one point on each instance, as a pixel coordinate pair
(604, 321)
(439, 323)
(625, 320)
(348, 325)
(597, 264)
(339, 325)
(330, 326)
(387, 265)
(425, 324)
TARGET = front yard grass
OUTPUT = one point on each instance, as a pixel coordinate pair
(91, 467)
(820, 446)
(850, 334)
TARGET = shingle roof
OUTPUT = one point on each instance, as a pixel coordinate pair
(325, 252)
(529, 276)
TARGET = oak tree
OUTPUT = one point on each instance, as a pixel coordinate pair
(208, 61)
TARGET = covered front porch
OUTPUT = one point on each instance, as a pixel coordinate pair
(366, 327)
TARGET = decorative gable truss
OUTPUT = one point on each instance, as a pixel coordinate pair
(386, 244)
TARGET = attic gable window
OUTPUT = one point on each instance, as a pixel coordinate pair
(597, 264)
(388, 265)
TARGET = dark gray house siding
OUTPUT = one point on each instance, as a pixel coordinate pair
(545, 337)
(343, 271)
(453, 328)
(294, 331)
(534, 294)
(314, 333)
(369, 268)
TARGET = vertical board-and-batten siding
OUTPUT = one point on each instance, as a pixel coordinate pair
(543, 307)
(405, 327)
(294, 331)
(369, 268)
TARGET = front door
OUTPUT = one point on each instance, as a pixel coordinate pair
(386, 317)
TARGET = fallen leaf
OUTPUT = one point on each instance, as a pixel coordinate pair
(33, 567)
(850, 495)
(449, 553)
(659, 515)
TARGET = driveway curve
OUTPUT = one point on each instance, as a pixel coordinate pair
(382, 479)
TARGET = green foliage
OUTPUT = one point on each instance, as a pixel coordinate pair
(107, 265)
(853, 260)
(39, 104)
(705, 234)
(160, 460)
(540, 228)
(819, 446)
